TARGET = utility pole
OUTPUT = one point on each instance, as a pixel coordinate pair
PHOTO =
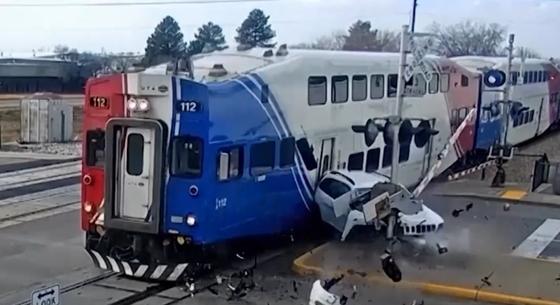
(507, 90)
(396, 119)
(414, 4)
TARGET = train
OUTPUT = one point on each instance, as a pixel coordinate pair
(178, 162)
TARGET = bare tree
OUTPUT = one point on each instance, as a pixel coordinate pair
(469, 38)
(334, 41)
(389, 41)
(526, 52)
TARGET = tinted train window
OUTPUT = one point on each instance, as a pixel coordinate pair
(525, 117)
(525, 77)
(135, 154)
(359, 87)
(187, 156)
(513, 77)
(262, 158)
(235, 165)
(306, 152)
(531, 115)
(339, 89)
(434, 84)
(464, 81)
(372, 162)
(317, 90)
(392, 80)
(416, 86)
(95, 148)
(333, 188)
(541, 78)
(356, 161)
(444, 84)
(287, 150)
(404, 152)
(377, 86)
(387, 155)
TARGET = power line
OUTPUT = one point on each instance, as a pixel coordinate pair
(132, 3)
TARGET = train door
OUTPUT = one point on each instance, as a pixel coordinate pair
(327, 155)
(136, 174)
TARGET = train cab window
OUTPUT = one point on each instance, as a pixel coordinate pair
(187, 157)
(233, 166)
(525, 117)
(434, 84)
(464, 81)
(454, 117)
(359, 87)
(95, 148)
(525, 77)
(392, 81)
(404, 152)
(541, 78)
(444, 82)
(339, 89)
(531, 115)
(377, 86)
(333, 188)
(356, 161)
(262, 158)
(317, 90)
(387, 155)
(513, 77)
(372, 161)
(135, 154)
(462, 115)
(545, 75)
(287, 152)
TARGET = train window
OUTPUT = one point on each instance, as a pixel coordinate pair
(516, 121)
(333, 188)
(377, 86)
(404, 152)
(317, 90)
(387, 155)
(525, 77)
(306, 152)
(234, 165)
(95, 148)
(541, 78)
(531, 115)
(392, 81)
(454, 117)
(359, 87)
(356, 161)
(525, 117)
(287, 152)
(187, 156)
(513, 77)
(464, 81)
(339, 89)
(434, 84)
(462, 115)
(545, 75)
(444, 82)
(262, 158)
(372, 161)
(135, 154)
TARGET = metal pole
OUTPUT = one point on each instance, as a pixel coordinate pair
(414, 4)
(396, 119)
(507, 89)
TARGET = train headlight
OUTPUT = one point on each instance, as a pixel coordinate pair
(143, 105)
(132, 104)
(191, 220)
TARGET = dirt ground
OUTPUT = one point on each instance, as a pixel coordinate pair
(10, 123)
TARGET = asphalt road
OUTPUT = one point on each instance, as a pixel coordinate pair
(44, 251)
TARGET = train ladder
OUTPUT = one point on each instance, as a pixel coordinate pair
(441, 156)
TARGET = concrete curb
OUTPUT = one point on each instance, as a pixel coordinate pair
(498, 198)
(299, 267)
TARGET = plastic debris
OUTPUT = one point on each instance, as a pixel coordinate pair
(507, 206)
(442, 249)
(354, 292)
(456, 212)
(390, 267)
(320, 294)
(469, 206)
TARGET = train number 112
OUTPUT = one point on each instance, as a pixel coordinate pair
(188, 106)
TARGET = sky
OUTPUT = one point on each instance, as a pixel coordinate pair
(535, 23)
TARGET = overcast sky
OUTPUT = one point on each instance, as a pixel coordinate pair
(536, 23)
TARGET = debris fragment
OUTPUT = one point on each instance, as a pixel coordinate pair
(557, 278)
(442, 249)
(390, 267)
(333, 281)
(212, 290)
(469, 206)
(507, 206)
(294, 285)
(486, 279)
(354, 292)
(360, 273)
(239, 256)
(456, 212)
(320, 294)
(485, 217)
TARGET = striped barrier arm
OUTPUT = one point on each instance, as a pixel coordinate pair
(441, 156)
(471, 170)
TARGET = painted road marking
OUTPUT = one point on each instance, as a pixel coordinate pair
(514, 194)
(539, 240)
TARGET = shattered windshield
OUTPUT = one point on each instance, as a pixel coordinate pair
(323, 152)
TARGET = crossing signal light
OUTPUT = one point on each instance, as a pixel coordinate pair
(370, 131)
(425, 131)
(494, 78)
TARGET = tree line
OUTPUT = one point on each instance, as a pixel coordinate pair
(167, 42)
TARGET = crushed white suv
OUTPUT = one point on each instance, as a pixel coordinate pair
(350, 198)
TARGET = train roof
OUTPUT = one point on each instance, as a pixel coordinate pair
(229, 63)
(476, 63)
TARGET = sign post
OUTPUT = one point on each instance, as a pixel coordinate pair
(46, 296)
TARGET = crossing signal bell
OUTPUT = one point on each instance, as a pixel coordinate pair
(494, 78)
(407, 132)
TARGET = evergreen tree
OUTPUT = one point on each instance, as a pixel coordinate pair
(166, 43)
(209, 38)
(361, 37)
(255, 30)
